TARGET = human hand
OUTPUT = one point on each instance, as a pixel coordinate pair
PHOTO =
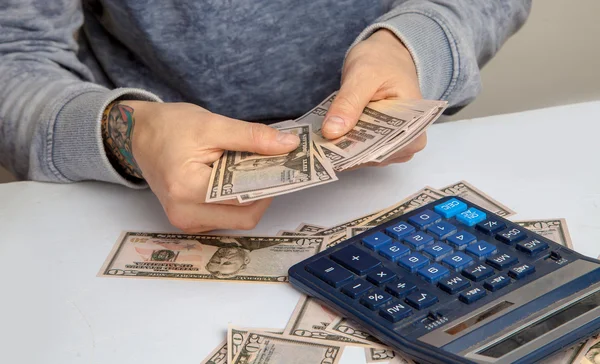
(378, 68)
(172, 145)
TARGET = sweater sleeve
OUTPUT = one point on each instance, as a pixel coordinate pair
(50, 107)
(450, 41)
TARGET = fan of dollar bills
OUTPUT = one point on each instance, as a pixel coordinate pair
(314, 333)
(385, 127)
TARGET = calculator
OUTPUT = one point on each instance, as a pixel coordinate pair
(451, 282)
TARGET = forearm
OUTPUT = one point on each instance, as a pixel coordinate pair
(118, 122)
(451, 40)
(50, 108)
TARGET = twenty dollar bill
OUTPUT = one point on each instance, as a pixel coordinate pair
(208, 257)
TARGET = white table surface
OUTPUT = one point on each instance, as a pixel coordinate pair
(54, 239)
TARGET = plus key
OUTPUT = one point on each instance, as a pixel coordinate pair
(355, 259)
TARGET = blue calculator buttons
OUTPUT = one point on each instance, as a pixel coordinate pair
(358, 261)
(400, 230)
(461, 239)
(357, 288)
(471, 216)
(521, 271)
(413, 262)
(433, 273)
(424, 218)
(418, 240)
(395, 311)
(400, 287)
(394, 251)
(375, 298)
(502, 261)
(457, 261)
(497, 282)
(329, 272)
(450, 208)
(478, 273)
(437, 251)
(374, 241)
(532, 246)
(441, 229)
(511, 235)
(491, 226)
(481, 249)
(421, 299)
(380, 276)
(472, 295)
(453, 284)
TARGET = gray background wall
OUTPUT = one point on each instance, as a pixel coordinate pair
(553, 60)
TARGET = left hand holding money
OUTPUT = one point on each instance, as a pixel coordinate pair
(379, 67)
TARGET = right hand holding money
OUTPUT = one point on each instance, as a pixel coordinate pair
(175, 144)
(378, 68)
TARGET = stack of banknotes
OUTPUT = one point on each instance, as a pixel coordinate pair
(385, 127)
(314, 333)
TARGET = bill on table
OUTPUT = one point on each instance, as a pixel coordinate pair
(313, 333)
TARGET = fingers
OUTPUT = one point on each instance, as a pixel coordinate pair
(355, 93)
(203, 217)
(190, 186)
(183, 199)
(231, 134)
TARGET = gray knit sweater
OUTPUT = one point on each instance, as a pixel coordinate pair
(63, 61)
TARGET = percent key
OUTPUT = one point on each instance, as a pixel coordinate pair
(375, 299)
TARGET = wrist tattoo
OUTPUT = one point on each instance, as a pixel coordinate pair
(117, 130)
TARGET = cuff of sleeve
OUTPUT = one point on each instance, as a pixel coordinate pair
(429, 46)
(78, 149)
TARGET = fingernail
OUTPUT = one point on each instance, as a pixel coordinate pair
(334, 125)
(287, 138)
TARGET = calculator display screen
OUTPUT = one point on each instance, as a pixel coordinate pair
(540, 328)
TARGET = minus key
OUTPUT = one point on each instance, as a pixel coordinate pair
(356, 288)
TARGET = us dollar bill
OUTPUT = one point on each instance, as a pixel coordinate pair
(592, 352)
(309, 320)
(242, 173)
(416, 200)
(432, 112)
(383, 126)
(265, 348)
(341, 228)
(217, 356)
(290, 233)
(387, 355)
(355, 230)
(236, 336)
(208, 257)
(564, 357)
(309, 228)
(470, 193)
(377, 355)
(322, 173)
(347, 328)
(553, 229)
(213, 192)
(335, 239)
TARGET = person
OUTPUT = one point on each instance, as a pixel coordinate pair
(149, 94)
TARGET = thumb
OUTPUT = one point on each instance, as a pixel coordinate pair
(346, 108)
(237, 135)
